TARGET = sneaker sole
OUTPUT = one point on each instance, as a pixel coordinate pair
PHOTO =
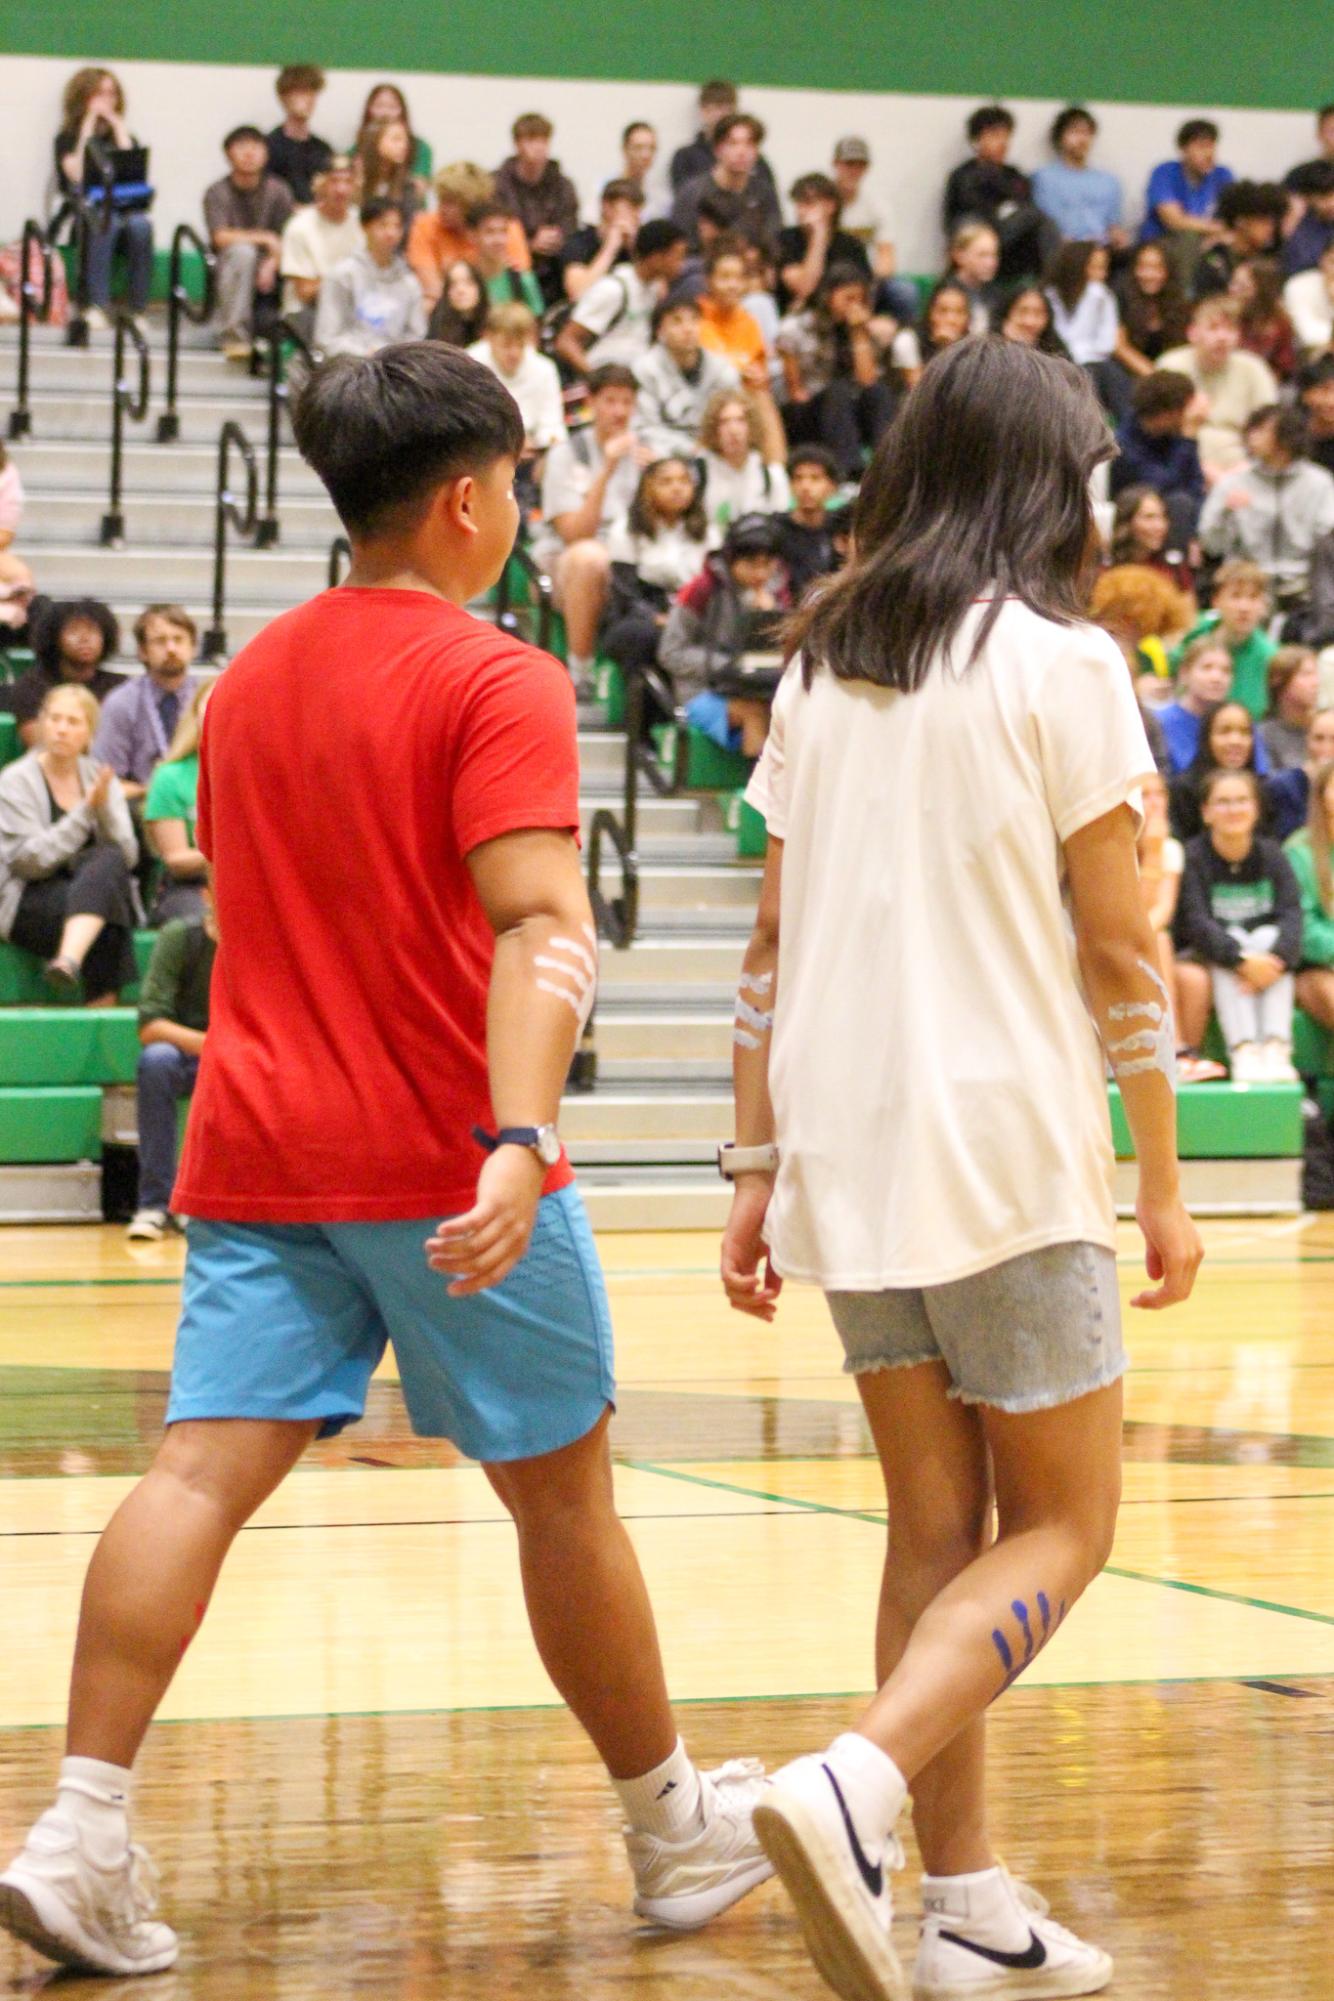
(1064, 1982)
(857, 1966)
(20, 1915)
(699, 1907)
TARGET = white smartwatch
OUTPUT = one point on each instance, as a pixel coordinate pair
(734, 1160)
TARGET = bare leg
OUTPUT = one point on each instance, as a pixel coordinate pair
(78, 938)
(1058, 1483)
(933, 1454)
(1195, 1003)
(154, 1570)
(752, 719)
(587, 1603)
(583, 575)
(1315, 995)
(1167, 960)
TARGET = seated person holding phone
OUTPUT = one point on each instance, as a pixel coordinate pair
(720, 643)
(94, 142)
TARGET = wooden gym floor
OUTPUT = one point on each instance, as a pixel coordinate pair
(363, 1784)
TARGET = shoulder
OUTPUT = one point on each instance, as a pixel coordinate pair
(119, 700)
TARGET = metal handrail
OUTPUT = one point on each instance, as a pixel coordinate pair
(180, 306)
(227, 513)
(286, 334)
(34, 304)
(340, 549)
(123, 405)
(617, 917)
(506, 617)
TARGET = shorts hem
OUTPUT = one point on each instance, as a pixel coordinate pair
(513, 1454)
(331, 1422)
(1023, 1406)
(872, 1365)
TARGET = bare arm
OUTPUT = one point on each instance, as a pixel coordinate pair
(542, 981)
(752, 1034)
(190, 1041)
(172, 846)
(1131, 1008)
(572, 345)
(1173, 216)
(577, 524)
(802, 279)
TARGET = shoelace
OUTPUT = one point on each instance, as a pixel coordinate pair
(1033, 1900)
(143, 1884)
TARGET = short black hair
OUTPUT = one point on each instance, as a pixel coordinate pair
(730, 123)
(637, 125)
(986, 119)
(1290, 428)
(612, 375)
(1074, 114)
(379, 205)
(1165, 389)
(55, 617)
(1316, 373)
(814, 455)
(652, 238)
(675, 302)
(384, 431)
(1315, 178)
(242, 132)
(1196, 128)
(1258, 198)
(814, 187)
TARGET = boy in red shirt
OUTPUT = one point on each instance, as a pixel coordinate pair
(389, 798)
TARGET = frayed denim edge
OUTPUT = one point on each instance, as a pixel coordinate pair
(1045, 1400)
(873, 1365)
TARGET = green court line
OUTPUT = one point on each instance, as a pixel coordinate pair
(877, 1521)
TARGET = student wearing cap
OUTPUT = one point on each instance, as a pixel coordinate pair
(870, 218)
(729, 609)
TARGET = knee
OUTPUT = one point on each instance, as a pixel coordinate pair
(926, 1553)
(587, 561)
(157, 1062)
(1084, 1523)
(560, 1493)
(231, 1482)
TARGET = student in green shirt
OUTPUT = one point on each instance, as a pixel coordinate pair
(505, 284)
(1240, 607)
(173, 1021)
(169, 820)
(1311, 853)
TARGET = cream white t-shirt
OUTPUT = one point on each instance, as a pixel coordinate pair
(938, 1086)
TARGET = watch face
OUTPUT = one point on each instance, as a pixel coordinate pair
(548, 1145)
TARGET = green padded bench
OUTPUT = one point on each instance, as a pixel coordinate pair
(23, 984)
(68, 1045)
(1227, 1122)
(741, 819)
(11, 746)
(192, 272)
(54, 1123)
(708, 767)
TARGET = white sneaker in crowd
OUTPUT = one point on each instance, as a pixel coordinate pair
(1278, 1062)
(148, 1226)
(99, 1920)
(1247, 1064)
(960, 1957)
(96, 320)
(683, 1881)
(838, 1877)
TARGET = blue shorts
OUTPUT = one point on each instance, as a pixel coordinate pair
(289, 1320)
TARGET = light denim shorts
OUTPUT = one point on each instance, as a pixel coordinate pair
(1038, 1330)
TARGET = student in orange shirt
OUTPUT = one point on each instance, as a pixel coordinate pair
(442, 236)
(726, 328)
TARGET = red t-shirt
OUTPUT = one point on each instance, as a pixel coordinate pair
(353, 755)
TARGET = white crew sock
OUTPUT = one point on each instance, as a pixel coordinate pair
(96, 1797)
(983, 1904)
(665, 1801)
(872, 1784)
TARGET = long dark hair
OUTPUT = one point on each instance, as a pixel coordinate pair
(1139, 310)
(1203, 763)
(980, 484)
(1068, 273)
(643, 518)
(455, 328)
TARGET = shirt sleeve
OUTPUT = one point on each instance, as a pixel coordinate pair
(767, 791)
(1091, 741)
(160, 994)
(600, 304)
(518, 761)
(298, 252)
(114, 741)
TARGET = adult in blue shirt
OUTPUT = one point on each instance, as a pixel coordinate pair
(1308, 242)
(1084, 202)
(139, 720)
(1183, 195)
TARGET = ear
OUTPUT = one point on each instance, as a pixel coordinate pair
(457, 501)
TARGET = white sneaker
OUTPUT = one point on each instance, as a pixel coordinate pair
(952, 1961)
(99, 1920)
(837, 1877)
(1246, 1063)
(685, 1881)
(1278, 1062)
(96, 320)
(148, 1226)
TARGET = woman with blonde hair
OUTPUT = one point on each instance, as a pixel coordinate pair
(742, 472)
(93, 127)
(67, 849)
(169, 819)
(974, 262)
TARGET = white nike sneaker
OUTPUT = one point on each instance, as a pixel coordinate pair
(98, 1920)
(1278, 1062)
(955, 1964)
(837, 1877)
(684, 1881)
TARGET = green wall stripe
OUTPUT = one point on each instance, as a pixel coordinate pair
(1151, 53)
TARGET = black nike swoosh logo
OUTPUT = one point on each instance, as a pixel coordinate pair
(1035, 1954)
(872, 1875)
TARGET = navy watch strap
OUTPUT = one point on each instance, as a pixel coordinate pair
(507, 1136)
